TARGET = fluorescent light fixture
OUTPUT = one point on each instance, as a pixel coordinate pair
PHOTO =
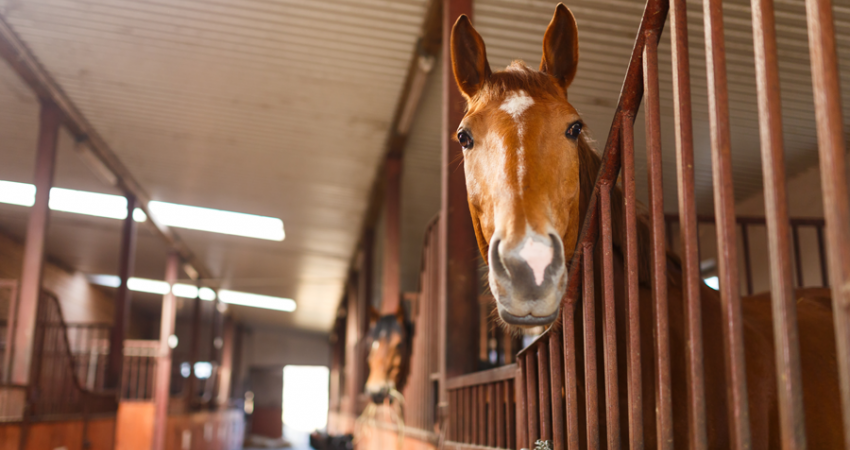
(218, 221)
(206, 294)
(203, 370)
(21, 194)
(713, 282)
(105, 280)
(184, 290)
(170, 214)
(256, 300)
(149, 286)
(88, 203)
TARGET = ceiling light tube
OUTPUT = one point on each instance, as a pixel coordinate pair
(256, 300)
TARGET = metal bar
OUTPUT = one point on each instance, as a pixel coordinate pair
(589, 309)
(688, 240)
(824, 271)
(609, 325)
(795, 233)
(163, 366)
(475, 422)
(492, 406)
(633, 293)
(544, 392)
(836, 200)
(783, 299)
(194, 347)
(663, 394)
(531, 398)
(452, 416)
(500, 428)
(50, 120)
(556, 384)
(522, 433)
(483, 377)
(571, 380)
(123, 297)
(482, 414)
(748, 266)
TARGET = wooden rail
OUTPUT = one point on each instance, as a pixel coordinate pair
(483, 409)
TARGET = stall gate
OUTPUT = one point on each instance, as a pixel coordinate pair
(538, 399)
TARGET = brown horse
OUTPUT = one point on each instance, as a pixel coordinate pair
(529, 174)
(391, 338)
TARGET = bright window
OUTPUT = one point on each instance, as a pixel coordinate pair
(305, 397)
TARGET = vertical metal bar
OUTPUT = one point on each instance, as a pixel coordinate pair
(33, 261)
(688, 241)
(571, 387)
(824, 271)
(609, 325)
(798, 263)
(633, 298)
(473, 406)
(556, 383)
(501, 427)
(482, 415)
(492, 406)
(589, 308)
(531, 398)
(783, 300)
(522, 419)
(543, 391)
(663, 395)
(452, 416)
(123, 297)
(163, 366)
(831, 147)
(748, 266)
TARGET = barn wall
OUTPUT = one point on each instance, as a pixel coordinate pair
(81, 301)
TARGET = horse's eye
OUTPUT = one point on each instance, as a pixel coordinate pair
(465, 140)
(574, 130)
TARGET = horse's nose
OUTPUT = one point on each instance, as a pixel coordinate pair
(529, 265)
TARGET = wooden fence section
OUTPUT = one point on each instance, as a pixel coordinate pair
(483, 409)
(55, 388)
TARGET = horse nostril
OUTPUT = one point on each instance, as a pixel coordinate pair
(496, 259)
(558, 257)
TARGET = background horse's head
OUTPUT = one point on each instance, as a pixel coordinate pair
(389, 355)
(521, 139)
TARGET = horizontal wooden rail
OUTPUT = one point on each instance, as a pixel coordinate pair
(477, 378)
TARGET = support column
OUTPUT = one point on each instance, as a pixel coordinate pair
(123, 298)
(364, 302)
(458, 248)
(33, 264)
(162, 382)
(192, 382)
(226, 370)
(392, 238)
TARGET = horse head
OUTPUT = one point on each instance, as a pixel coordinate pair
(521, 142)
(389, 355)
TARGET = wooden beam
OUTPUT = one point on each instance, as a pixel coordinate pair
(458, 259)
(33, 264)
(162, 382)
(123, 297)
(26, 65)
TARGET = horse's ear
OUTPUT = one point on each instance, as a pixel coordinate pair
(374, 316)
(469, 58)
(399, 314)
(560, 46)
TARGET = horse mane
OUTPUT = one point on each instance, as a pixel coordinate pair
(589, 165)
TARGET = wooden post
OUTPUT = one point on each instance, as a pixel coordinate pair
(226, 370)
(162, 382)
(192, 382)
(458, 249)
(392, 237)
(33, 264)
(122, 298)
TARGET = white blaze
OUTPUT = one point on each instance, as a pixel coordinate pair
(516, 103)
(538, 256)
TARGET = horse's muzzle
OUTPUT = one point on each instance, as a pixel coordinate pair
(528, 279)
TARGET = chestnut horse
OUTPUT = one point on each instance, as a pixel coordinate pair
(391, 338)
(529, 175)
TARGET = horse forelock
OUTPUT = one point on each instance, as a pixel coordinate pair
(517, 77)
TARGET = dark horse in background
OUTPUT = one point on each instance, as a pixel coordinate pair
(391, 344)
(529, 174)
